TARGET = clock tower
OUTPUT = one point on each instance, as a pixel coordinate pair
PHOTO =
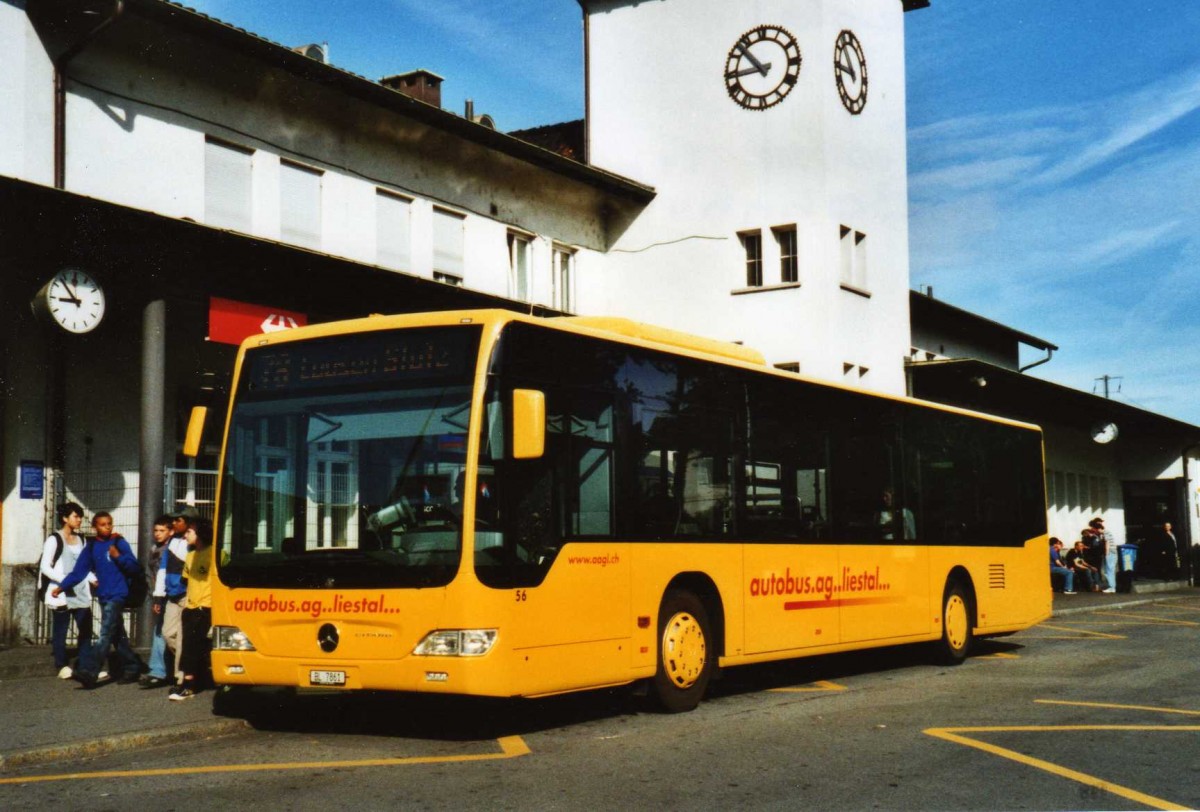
(774, 134)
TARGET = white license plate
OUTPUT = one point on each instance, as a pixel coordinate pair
(327, 677)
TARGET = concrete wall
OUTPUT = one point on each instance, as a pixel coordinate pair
(26, 97)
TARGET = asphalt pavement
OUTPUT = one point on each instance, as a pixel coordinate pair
(46, 719)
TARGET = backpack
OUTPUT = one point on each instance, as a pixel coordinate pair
(139, 588)
(43, 583)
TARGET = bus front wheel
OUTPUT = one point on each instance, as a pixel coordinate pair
(956, 624)
(685, 657)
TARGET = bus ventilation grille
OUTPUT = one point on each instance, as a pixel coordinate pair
(995, 576)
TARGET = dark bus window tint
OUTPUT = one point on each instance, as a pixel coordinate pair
(869, 498)
(786, 484)
(681, 438)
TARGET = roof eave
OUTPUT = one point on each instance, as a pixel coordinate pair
(279, 56)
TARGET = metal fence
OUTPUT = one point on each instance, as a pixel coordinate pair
(118, 492)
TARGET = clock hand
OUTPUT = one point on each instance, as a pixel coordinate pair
(744, 50)
(748, 71)
(75, 300)
(845, 68)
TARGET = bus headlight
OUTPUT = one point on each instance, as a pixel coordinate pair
(457, 643)
(230, 638)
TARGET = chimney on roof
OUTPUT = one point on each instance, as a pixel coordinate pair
(421, 84)
(482, 119)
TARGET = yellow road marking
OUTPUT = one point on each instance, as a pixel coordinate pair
(1102, 635)
(510, 747)
(1151, 708)
(1151, 618)
(951, 734)
(819, 685)
(1182, 607)
(999, 655)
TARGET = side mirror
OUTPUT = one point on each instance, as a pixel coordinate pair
(195, 431)
(529, 424)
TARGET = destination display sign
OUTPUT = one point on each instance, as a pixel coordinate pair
(362, 359)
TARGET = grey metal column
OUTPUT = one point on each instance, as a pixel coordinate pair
(150, 465)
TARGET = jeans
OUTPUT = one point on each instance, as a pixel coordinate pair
(1110, 566)
(158, 648)
(112, 634)
(61, 624)
(1068, 578)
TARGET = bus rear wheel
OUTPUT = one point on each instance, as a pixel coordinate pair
(957, 622)
(685, 659)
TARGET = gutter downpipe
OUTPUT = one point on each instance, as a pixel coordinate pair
(1049, 355)
(60, 92)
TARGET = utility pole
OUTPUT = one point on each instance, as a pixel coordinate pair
(1106, 379)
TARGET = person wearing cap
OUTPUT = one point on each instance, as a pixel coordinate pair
(175, 585)
(1108, 552)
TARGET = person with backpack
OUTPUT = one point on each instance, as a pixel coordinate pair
(59, 555)
(109, 558)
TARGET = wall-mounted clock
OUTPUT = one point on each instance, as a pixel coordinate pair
(762, 67)
(73, 300)
(1104, 432)
(850, 72)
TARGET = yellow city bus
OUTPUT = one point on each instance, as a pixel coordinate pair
(484, 503)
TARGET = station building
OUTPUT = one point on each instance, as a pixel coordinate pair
(212, 184)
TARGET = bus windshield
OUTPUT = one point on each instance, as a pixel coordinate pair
(342, 460)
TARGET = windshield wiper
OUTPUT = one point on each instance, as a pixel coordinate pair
(334, 425)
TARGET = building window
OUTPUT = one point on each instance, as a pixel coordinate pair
(448, 278)
(300, 204)
(853, 256)
(448, 243)
(518, 266)
(393, 230)
(562, 279)
(789, 260)
(752, 245)
(227, 187)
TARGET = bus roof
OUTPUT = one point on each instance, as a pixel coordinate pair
(611, 327)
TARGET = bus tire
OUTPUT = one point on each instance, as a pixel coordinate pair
(957, 624)
(685, 652)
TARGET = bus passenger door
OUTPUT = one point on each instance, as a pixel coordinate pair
(883, 579)
(556, 550)
(791, 572)
(789, 598)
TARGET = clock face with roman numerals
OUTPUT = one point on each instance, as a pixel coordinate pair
(762, 67)
(74, 300)
(850, 72)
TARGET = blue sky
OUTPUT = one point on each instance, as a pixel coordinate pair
(1054, 152)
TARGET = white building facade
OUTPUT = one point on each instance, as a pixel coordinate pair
(774, 134)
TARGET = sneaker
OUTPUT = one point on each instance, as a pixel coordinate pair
(102, 676)
(86, 680)
(1109, 591)
(182, 694)
(65, 672)
(1069, 592)
(149, 681)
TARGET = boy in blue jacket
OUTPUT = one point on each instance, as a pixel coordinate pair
(109, 557)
